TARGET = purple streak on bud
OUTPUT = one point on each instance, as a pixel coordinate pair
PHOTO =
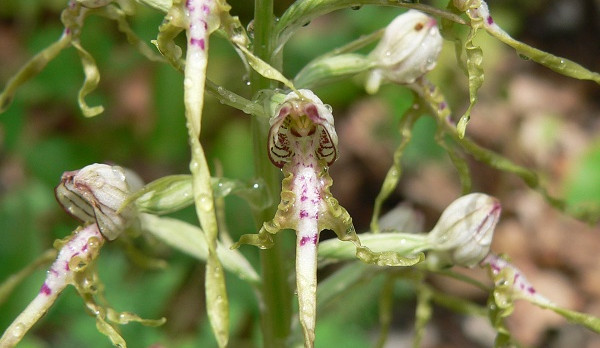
(464, 232)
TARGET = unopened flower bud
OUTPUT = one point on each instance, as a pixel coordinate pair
(96, 194)
(463, 234)
(409, 48)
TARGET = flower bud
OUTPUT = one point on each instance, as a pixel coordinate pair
(408, 49)
(96, 194)
(463, 234)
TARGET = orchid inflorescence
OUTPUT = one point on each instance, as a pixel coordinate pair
(296, 133)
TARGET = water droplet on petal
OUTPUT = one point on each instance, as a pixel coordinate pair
(18, 330)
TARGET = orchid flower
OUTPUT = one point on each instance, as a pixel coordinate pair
(96, 195)
(303, 143)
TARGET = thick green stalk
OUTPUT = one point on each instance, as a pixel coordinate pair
(276, 291)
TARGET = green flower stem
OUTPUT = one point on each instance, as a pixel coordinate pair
(232, 99)
(303, 11)
(276, 290)
(405, 244)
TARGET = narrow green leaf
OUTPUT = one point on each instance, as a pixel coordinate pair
(190, 239)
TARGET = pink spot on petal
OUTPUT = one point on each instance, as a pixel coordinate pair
(314, 239)
(303, 214)
(189, 6)
(197, 42)
(531, 290)
(45, 290)
(490, 21)
(304, 240)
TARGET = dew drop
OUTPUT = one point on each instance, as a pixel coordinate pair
(205, 202)
(93, 243)
(246, 80)
(18, 330)
(524, 57)
(77, 264)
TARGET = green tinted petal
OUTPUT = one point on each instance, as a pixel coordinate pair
(266, 70)
(92, 78)
(474, 68)
(173, 24)
(405, 244)
(109, 331)
(217, 305)
(127, 317)
(387, 258)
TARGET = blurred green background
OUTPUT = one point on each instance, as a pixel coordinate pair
(43, 134)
